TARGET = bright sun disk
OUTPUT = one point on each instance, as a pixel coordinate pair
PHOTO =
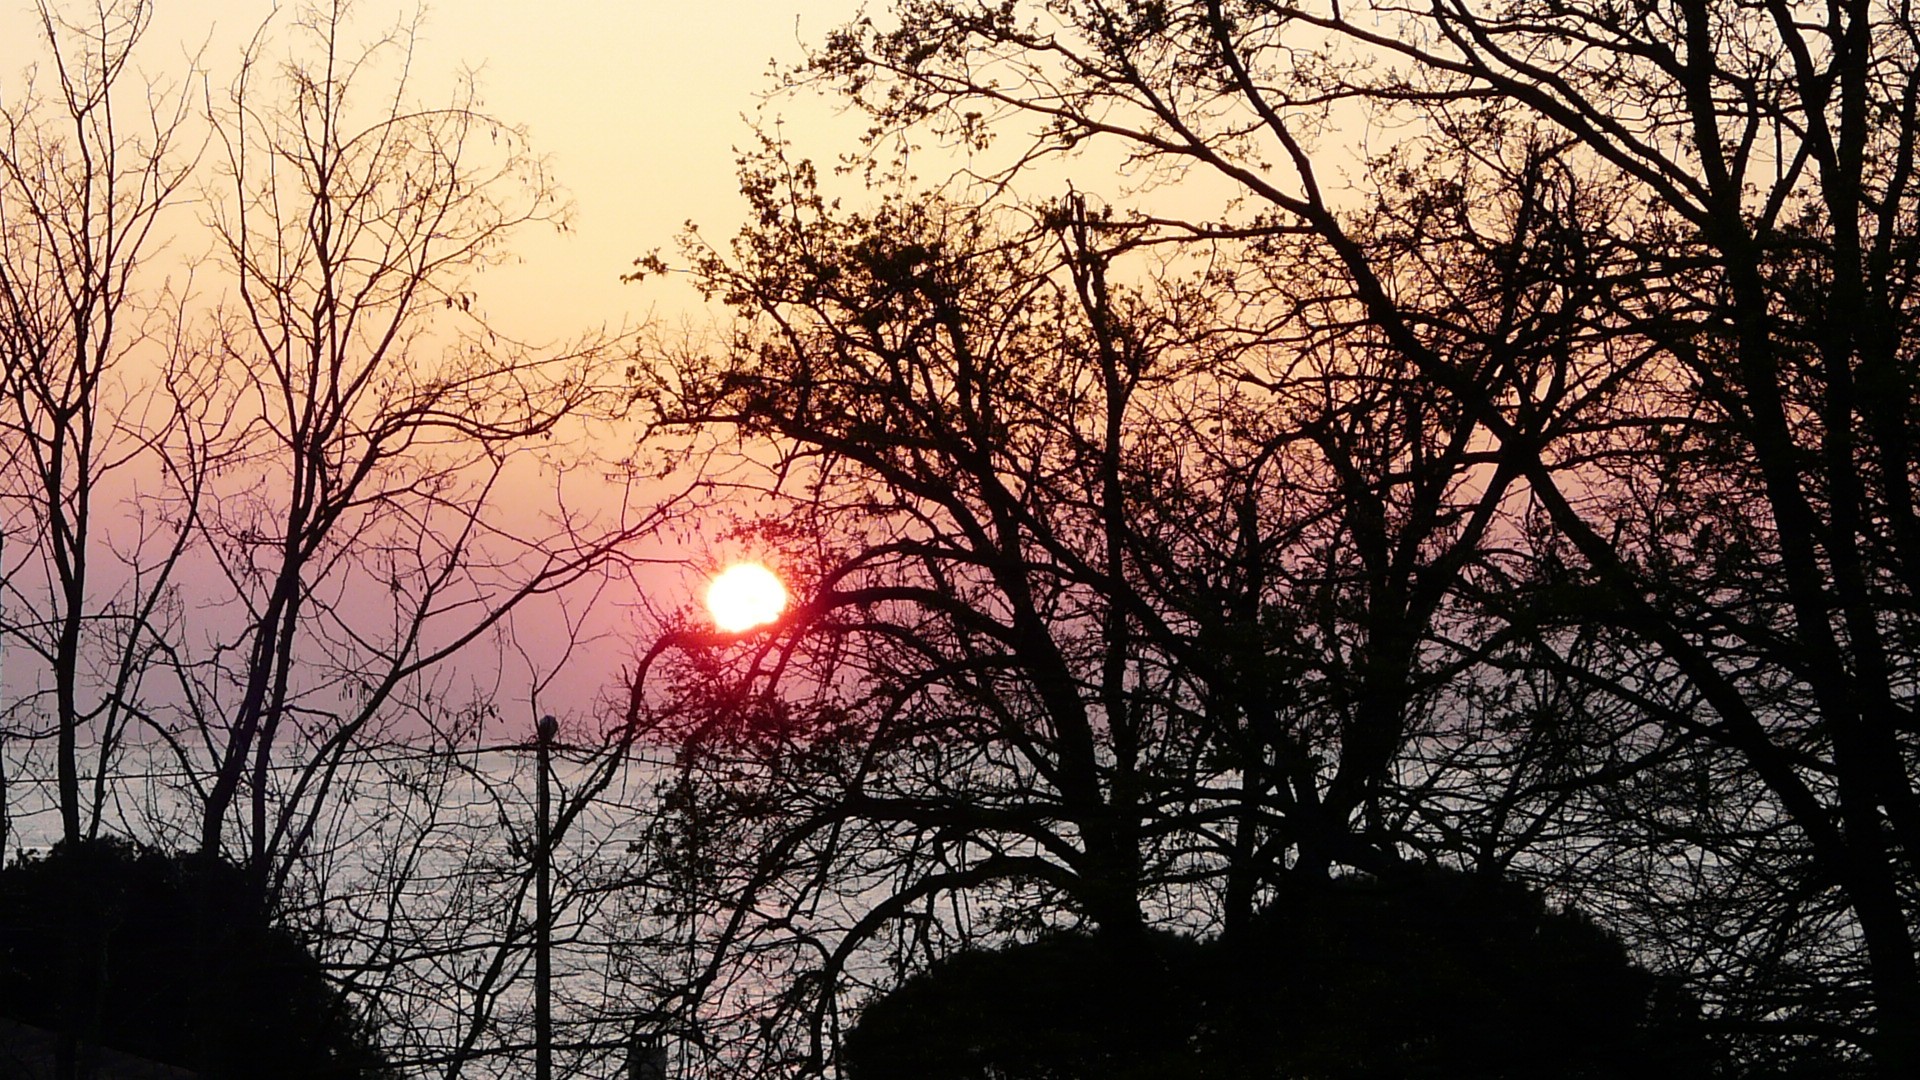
(745, 595)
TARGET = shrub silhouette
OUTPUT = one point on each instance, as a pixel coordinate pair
(1432, 974)
(170, 957)
(1065, 1006)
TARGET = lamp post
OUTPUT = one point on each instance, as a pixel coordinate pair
(543, 911)
(646, 1058)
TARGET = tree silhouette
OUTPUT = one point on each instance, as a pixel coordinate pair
(1112, 602)
(268, 479)
(1716, 460)
(90, 168)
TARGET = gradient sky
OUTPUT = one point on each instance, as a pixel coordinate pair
(639, 103)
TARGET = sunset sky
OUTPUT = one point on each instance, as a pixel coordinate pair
(639, 104)
(1335, 539)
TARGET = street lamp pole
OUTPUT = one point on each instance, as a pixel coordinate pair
(543, 913)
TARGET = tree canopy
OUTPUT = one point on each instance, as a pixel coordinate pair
(1465, 434)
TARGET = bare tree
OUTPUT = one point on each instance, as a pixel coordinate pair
(300, 527)
(377, 418)
(91, 162)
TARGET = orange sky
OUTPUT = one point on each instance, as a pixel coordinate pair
(639, 103)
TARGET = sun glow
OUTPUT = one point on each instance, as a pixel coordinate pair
(745, 595)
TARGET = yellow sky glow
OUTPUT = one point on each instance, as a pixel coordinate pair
(640, 105)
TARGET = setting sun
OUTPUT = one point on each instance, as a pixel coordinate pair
(745, 595)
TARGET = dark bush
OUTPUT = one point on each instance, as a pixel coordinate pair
(172, 958)
(1432, 974)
